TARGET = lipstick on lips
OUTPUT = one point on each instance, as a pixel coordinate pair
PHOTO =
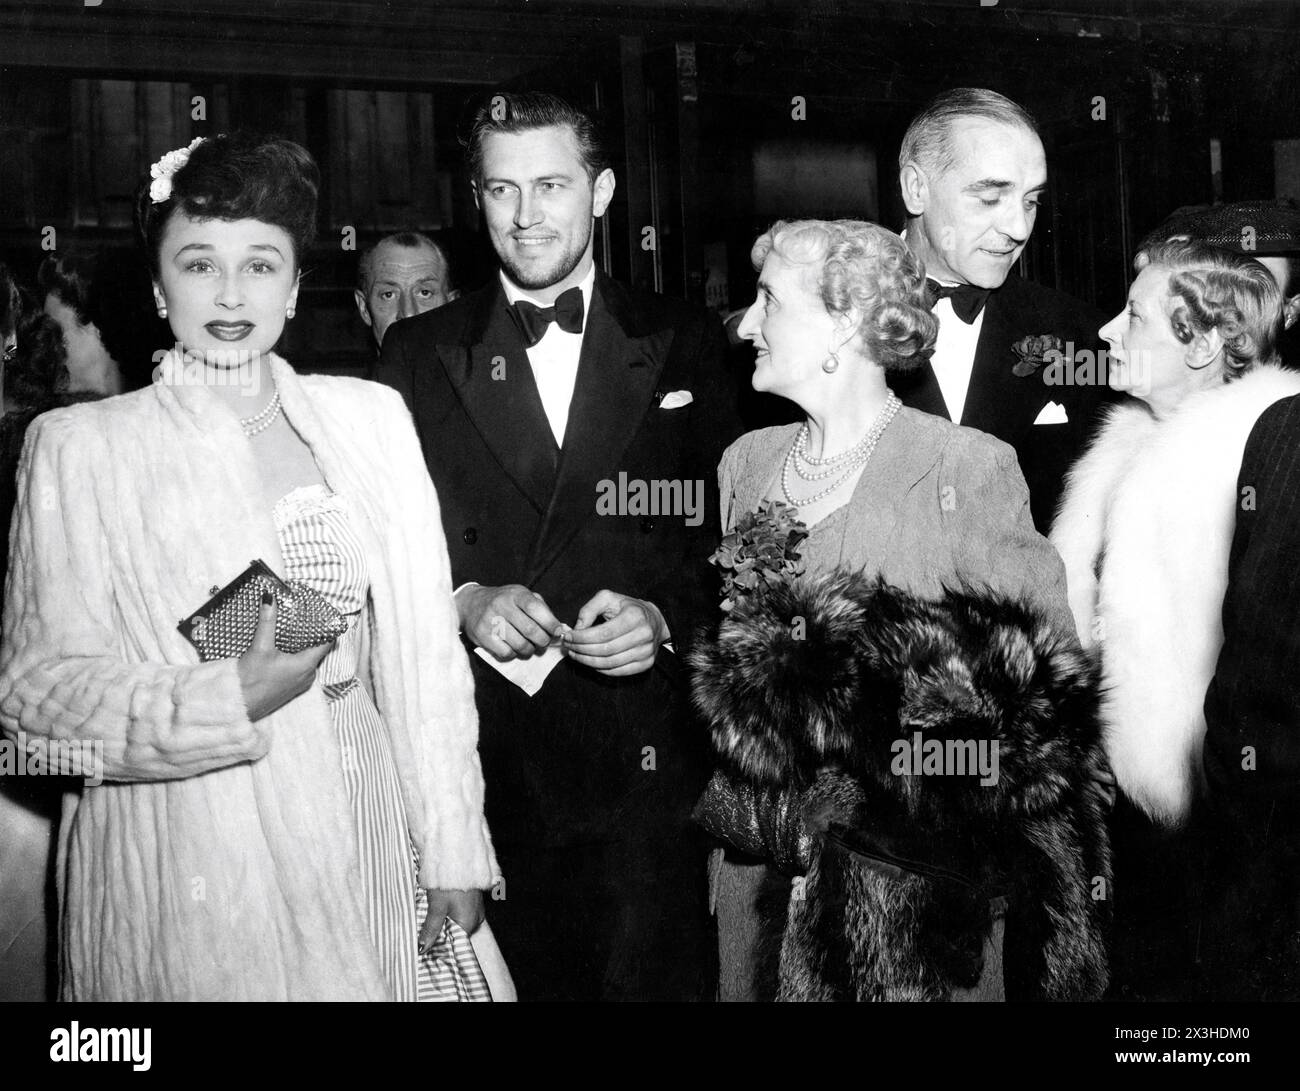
(229, 331)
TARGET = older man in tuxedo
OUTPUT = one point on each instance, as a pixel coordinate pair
(972, 171)
(573, 429)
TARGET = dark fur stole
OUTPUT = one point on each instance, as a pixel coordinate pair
(819, 688)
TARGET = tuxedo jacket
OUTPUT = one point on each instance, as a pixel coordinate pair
(1006, 405)
(587, 758)
(1250, 824)
(1255, 695)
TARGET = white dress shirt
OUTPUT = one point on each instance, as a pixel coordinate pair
(954, 352)
(554, 358)
(954, 355)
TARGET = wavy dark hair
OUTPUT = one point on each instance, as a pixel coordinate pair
(38, 374)
(10, 302)
(238, 176)
(522, 111)
(110, 288)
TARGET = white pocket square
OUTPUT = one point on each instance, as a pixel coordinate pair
(677, 399)
(1052, 413)
(527, 674)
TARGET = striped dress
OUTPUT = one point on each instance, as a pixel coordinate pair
(320, 547)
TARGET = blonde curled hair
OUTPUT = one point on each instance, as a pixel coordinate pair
(860, 264)
(1220, 290)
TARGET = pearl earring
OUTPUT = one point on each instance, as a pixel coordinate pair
(831, 364)
(162, 312)
(289, 313)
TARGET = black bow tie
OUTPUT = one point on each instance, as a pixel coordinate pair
(533, 320)
(967, 300)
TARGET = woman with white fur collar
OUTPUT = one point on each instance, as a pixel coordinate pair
(273, 826)
(1148, 513)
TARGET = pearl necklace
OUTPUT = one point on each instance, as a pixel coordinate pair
(260, 422)
(850, 461)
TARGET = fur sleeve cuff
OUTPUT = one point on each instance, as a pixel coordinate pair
(154, 722)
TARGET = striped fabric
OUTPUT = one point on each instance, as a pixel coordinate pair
(320, 547)
(454, 973)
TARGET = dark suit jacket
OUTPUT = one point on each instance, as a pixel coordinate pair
(1006, 405)
(1251, 821)
(588, 758)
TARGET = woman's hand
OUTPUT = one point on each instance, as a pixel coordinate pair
(269, 677)
(465, 907)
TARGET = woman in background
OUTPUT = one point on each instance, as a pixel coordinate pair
(1144, 527)
(35, 379)
(100, 300)
(10, 310)
(273, 826)
(27, 806)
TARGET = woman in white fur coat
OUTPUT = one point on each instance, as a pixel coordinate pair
(1148, 513)
(260, 819)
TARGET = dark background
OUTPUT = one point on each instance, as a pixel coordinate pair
(693, 93)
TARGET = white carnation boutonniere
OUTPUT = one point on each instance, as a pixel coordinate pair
(160, 189)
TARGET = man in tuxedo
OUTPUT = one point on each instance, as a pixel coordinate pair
(550, 404)
(972, 171)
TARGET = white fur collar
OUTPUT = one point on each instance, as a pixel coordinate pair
(1144, 529)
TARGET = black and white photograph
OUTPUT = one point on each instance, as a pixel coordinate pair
(656, 501)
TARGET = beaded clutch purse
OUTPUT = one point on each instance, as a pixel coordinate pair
(222, 628)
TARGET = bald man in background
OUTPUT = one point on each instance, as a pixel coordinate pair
(401, 275)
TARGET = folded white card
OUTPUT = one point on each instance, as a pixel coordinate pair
(1052, 413)
(676, 399)
(527, 674)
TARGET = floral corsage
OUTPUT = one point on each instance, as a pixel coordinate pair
(761, 551)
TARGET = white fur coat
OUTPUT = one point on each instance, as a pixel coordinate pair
(1145, 527)
(218, 860)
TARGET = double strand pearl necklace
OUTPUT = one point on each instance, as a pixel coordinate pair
(261, 421)
(849, 461)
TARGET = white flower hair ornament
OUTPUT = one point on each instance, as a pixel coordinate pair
(160, 189)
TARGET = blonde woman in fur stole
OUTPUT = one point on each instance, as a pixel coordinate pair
(1145, 527)
(277, 826)
(924, 505)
